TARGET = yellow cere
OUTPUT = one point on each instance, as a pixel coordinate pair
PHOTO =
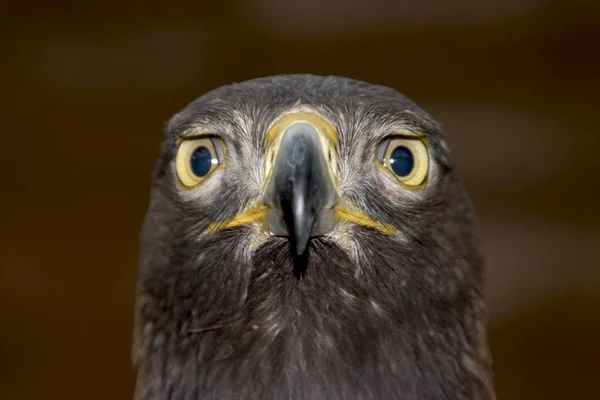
(284, 122)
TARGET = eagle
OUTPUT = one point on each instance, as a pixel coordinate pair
(308, 237)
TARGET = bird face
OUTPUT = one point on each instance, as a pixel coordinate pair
(301, 172)
(313, 167)
(301, 191)
(346, 185)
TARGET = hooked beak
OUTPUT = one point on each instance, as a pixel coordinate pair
(301, 193)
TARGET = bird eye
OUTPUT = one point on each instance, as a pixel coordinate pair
(197, 158)
(406, 158)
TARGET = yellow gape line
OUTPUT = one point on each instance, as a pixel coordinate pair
(253, 214)
(328, 138)
(349, 215)
(344, 214)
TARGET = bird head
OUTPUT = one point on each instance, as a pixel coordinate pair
(296, 218)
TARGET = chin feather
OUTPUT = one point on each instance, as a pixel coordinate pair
(269, 334)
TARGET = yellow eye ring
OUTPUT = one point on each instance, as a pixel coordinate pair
(406, 158)
(197, 158)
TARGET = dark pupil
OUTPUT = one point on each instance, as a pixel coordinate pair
(402, 161)
(201, 161)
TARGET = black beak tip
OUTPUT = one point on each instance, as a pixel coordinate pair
(300, 246)
(299, 224)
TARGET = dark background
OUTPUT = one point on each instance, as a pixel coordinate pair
(87, 87)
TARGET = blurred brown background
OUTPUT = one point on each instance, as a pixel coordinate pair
(86, 89)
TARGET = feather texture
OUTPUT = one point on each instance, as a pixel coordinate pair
(222, 316)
